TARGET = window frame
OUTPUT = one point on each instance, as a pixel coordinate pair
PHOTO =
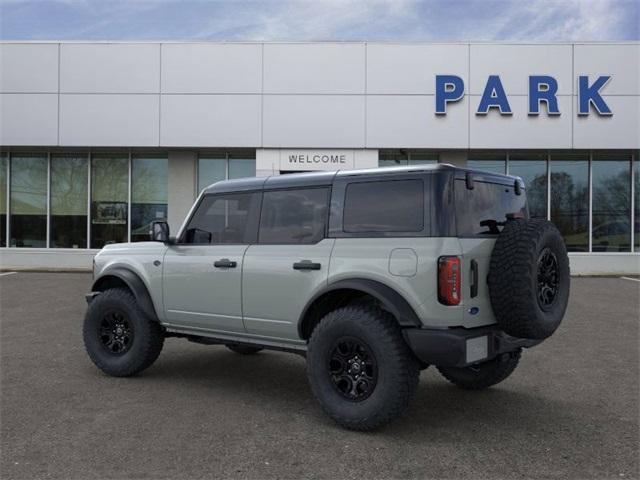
(338, 199)
(325, 230)
(252, 220)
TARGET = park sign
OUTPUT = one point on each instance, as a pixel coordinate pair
(542, 89)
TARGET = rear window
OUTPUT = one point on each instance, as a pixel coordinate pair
(384, 206)
(483, 210)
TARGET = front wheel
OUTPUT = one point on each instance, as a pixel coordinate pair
(119, 338)
(483, 375)
(360, 369)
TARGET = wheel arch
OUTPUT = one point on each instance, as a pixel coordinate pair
(124, 277)
(344, 291)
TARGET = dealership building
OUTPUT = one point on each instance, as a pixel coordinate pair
(99, 139)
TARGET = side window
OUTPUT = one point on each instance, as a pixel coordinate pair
(483, 210)
(384, 206)
(223, 219)
(294, 216)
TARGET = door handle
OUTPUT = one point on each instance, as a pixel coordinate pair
(474, 279)
(225, 263)
(306, 265)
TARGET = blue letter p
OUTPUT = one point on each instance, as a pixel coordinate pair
(449, 88)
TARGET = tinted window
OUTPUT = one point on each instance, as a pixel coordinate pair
(384, 206)
(294, 216)
(483, 210)
(224, 219)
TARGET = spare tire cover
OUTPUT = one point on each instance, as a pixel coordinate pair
(529, 278)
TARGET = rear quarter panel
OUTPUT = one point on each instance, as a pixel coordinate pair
(372, 258)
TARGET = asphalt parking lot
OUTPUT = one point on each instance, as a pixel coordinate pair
(569, 411)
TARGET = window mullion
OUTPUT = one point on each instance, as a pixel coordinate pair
(48, 229)
(89, 200)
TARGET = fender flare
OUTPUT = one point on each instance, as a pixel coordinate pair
(392, 301)
(135, 284)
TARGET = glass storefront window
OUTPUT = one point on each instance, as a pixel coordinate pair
(570, 199)
(489, 162)
(532, 168)
(149, 194)
(611, 205)
(242, 165)
(69, 201)
(3, 199)
(402, 158)
(28, 207)
(214, 167)
(422, 158)
(109, 194)
(392, 158)
(211, 169)
(636, 194)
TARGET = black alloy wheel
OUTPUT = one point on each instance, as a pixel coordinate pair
(547, 279)
(353, 369)
(116, 332)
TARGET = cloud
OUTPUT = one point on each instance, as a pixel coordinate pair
(330, 20)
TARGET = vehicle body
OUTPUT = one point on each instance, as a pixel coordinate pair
(260, 262)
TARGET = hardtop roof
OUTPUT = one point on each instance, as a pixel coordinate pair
(316, 179)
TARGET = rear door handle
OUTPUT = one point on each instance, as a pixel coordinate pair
(306, 265)
(474, 279)
(225, 263)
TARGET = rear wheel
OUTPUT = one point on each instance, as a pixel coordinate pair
(243, 349)
(483, 375)
(360, 369)
(119, 338)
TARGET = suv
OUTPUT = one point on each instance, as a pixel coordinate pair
(372, 275)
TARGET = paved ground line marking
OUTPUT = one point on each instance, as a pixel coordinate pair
(7, 273)
(632, 279)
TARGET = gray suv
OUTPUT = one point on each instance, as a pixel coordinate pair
(372, 275)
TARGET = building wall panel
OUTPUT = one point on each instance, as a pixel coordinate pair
(411, 69)
(330, 68)
(109, 68)
(109, 120)
(28, 119)
(211, 120)
(521, 130)
(211, 68)
(622, 62)
(621, 130)
(28, 68)
(313, 121)
(407, 121)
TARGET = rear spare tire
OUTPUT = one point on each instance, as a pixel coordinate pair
(529, 278)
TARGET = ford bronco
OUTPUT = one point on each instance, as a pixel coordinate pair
(372, 275)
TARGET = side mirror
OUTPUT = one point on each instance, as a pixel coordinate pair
(159, 232)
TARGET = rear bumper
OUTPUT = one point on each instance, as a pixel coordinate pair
(460, 347)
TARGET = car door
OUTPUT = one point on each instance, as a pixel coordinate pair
(202, 272)
(289, 263)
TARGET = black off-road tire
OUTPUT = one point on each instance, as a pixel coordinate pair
(397, 370)
(483, 375)
(518, 273)
(243, 349)
(144, 346)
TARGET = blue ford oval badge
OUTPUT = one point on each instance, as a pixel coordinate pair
(474, 310)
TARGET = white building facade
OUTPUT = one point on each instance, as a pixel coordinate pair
(99, 139)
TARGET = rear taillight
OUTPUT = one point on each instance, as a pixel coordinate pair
(449, 280)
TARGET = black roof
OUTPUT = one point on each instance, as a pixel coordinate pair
(313, 179)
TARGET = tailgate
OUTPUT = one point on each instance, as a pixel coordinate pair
(476, 255)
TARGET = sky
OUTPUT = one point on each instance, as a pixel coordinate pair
(321, 20)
